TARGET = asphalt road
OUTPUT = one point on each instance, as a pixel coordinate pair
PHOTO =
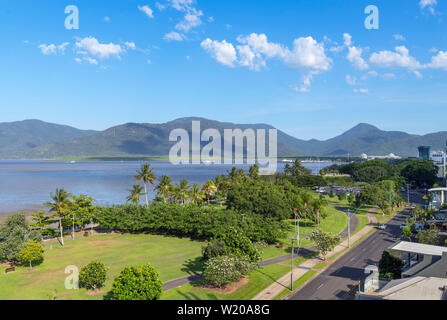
(336, 281)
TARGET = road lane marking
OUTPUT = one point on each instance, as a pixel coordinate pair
(320, 286)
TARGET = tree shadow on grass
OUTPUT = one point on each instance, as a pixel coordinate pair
(193, 266)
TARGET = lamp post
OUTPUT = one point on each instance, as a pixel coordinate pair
(73, 228)
(292, 266)
(297, 222)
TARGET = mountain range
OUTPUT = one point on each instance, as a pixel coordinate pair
(35, 139)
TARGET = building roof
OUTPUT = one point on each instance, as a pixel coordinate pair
(437, 189)
(416, 288)
(418, 248)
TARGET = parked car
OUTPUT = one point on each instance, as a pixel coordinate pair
(382, 227)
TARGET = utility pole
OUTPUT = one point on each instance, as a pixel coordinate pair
(292, 266)
(73, 228)
(349, 228)
(408, 193)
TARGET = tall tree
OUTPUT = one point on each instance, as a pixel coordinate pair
(164, 188)
(196, 194)
(296, 169)
(60, 207)
(135, 194)
(209, 189)
(147, 176)
(182, 191)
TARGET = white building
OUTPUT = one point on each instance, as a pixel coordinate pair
(364, 156)
(439, 159)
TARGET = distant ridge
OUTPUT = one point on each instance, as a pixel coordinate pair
(34, 139)
(21, 136)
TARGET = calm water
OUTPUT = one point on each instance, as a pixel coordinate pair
(26, 185)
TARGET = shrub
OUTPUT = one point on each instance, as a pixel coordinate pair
(237, 243)
(341, 196)
(93, 276)
(223, 270)
(214, 249)
(189, 221)
(33, 252)
(137, 283)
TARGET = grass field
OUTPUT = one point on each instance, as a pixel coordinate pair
(335, 222)
(172, 257)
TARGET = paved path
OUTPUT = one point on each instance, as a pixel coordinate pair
(302, 252)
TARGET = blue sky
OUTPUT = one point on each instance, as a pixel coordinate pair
(310, 68)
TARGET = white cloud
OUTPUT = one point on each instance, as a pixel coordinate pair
(174, 36)
(147, 10)
(190, 21)
(96, 49)
(149, 61)
(355, 57)
(211, 19)
(428, 4)
(400, 58)
(181, 5)
(160, 6)
(91, 60)
(307, 55)
(107, 19)
(439, 61)
(361, 90)
(53, 49)
(398, 37)
(388, 76)
(352, 81)
(347, 39)
(222, 51)
(78, 60)
(130, 45)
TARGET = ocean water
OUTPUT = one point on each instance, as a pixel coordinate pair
(26, 185)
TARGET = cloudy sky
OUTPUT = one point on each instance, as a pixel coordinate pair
(310, 68)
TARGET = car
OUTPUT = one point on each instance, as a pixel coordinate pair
(403, 225)
(382, 226)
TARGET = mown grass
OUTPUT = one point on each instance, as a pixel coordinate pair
(335, 222)
(172, 257)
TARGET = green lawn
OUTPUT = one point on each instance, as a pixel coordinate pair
(335, 222)
(259, 280)
(172, 257)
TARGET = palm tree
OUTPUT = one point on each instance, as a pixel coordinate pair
(182, 191)
(60, 207)
(196, 194)
(135, 194)
(164, 188)
(209, 189)
(146, 174)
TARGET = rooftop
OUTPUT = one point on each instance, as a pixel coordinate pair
(418, 248)
(417, 288)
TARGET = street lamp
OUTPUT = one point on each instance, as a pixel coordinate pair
(297, 222)
(73, 228)
(292, 266)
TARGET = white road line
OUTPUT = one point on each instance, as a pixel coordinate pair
(320, 286)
